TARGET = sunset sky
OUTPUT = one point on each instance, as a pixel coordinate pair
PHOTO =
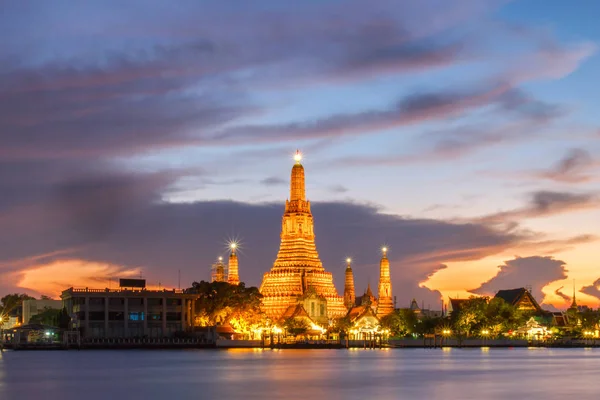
(139, 137)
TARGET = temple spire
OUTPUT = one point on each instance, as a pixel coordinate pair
(385, 304)
(233, 276)
(349, 294)
(297, 185)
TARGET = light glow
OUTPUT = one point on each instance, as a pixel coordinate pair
(298, 156)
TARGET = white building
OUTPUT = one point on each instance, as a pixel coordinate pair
(34, 307)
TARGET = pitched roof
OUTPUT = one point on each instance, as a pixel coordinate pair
(456, 303)
(294, 311)
(360, 311)
(514, 296)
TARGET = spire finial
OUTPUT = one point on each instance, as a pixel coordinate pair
(233, 247)
(298, 156)
(384, 251)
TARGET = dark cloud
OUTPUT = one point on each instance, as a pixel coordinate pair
(338, 189)
(120, 221)
(558, 292)
(536, 272)
(593, 289)
(273, 181)
(545, 203)
(574, 167)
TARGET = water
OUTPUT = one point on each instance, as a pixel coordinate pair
(301, 374)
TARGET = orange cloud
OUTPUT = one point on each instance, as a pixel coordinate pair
(54, 277)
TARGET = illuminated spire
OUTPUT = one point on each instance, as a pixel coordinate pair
(349, 294)
(297, 186)
(233, 276)
(385, 304)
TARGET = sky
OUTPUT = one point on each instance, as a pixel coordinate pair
(137, 138)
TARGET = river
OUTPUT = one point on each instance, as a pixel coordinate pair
(301, 374)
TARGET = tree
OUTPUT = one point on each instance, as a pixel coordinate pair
(401, 322)
(48, 316)
(340, 325)
(221, 302)
(470, 317)
(296, 326)
(11, 304)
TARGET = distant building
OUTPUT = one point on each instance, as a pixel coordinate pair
(454, 305)
(123, 313)
(34, 307)
(520, 298)
(422, 313)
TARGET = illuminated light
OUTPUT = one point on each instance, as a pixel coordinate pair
(384, 249)
(220, 258)
(298, 157)
(233, 245)
(348, 260)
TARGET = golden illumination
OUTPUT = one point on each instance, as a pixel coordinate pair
(233, 245)
(298, 267)
(298, 156)
(348, 260)
(384, 249)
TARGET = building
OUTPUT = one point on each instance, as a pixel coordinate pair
(454, 305)
(233, 276)
(385, 302)
(520, 298)
(298, 270)
(34, 307)
(349, 293)
(297, 266)
(129, 312)
(423, 313)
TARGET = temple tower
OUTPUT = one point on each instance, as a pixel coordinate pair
(385, 304)
(218, 271)
(298, 266)
(233, 276)
(349, 294)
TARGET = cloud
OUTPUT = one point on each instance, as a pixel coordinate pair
(536, 272)
(120, 221)
(593, 289)
(338, 189)
(546, 203)
(558, 292)
(273, 181)
(574, 167)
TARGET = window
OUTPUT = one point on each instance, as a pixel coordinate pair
(173, 316)
(154, 302)
(322, 310)
(312, 308)
(116, 301)
(135, 301)
(116, 316)
(173, 302)
(96, 316)
(96, 301)
(154, 317)
(136, 316)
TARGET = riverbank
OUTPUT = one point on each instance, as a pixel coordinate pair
(161, 344)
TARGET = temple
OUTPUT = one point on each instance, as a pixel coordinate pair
(349, 294)
(385, 303)
(297, 274)
(233, 277)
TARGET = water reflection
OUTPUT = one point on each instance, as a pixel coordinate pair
(302, 374)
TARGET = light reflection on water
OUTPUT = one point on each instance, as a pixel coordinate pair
(302, 374)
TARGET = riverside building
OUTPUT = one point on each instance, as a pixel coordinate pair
(130, 311)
